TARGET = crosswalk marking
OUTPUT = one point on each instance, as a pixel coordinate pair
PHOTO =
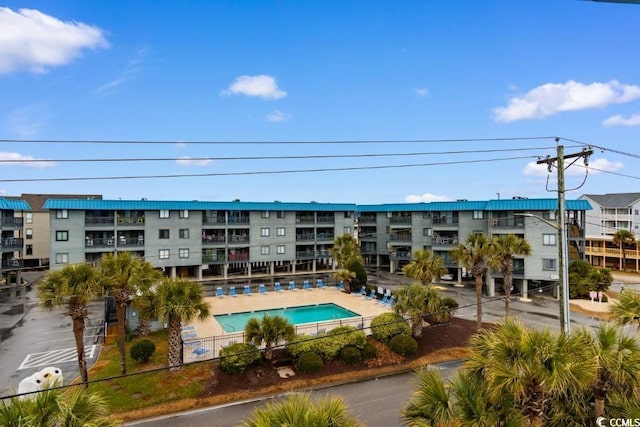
(54, 357)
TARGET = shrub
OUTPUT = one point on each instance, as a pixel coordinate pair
(142, 350)
(309, 363)
(327, 345)
(387, 325)
(351, 355)
(403, 344)
(369, 352)
(450, 303)
(361, 274)
(235, 358)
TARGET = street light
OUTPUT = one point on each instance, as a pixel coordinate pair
(563, 261)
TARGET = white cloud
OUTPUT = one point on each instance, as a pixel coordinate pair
(620, 120)
(422, 91)
(261, 86)
(596, 167)
(188, 161)
(33, 41)
(426, 197)
(278, 116)
(7, 158)
(552, 98)
(132, 68)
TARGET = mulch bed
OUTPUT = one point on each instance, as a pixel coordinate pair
(438, 337)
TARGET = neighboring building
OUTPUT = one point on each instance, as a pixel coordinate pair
(37, 242)
(201, 239)
(612, 212)
(11, 240)
(389, 233)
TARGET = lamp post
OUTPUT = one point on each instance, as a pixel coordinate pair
(563, 264)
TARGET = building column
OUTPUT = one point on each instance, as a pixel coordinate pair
(525, 291)
(313, 265)
(459, 278)
(491, 286)
(225, 271)
(293, 267)
(392, 266)
(248, 269)
(272, 267)
(199, 272)
(173, 273)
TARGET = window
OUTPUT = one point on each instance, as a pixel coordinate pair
(427, 232)
(264, 214)
(62, 214)
(549, 264)
(163, 254)
(183, 233)
(265, 231)
(264, 250)
(164, 213)
(183, 214)
(549, 239)
(29, 233)
(280, 249)
(282, 214)
(29, 217)
(281, 231)
(549, 215)
(29, 250)
(183, 253)
(62, 258)
(478, 214)
(635, 213)
(62, 236)
(347, 230)
(348, 214)
(163, 233)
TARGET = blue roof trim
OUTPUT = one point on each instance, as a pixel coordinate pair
(154, 205)
(16, 205)
(490, 205)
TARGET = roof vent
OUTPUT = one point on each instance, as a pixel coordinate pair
(462, 200)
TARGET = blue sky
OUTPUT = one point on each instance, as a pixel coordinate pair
(250, 71)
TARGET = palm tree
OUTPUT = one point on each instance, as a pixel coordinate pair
(57, 408)
(345, 250)
(502, 249)
(126, 276)
(618, 363)
(179, 301)
(626, 310)
(346, 277)
(424, 267)
(530, 366)
(415, 301)
(268, 330)
(472, 255)
(623, 238)
(72, 287)
(298, 410)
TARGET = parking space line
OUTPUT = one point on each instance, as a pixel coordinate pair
(53, 357)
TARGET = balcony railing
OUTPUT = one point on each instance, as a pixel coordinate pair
(12, 243)
(367, 220)
(444, 240)
(99, 220)
(305, 237)
(238, 257)
(403, 220)
(400, 237)
(11, 222)
(445, 221)
(12, 263)
(508, 222)
(213, 259)
(305, 220)
(326, 220)
(238, 220)
(325, 236)
(235, 240)
(214, 220)
(403, 255)
(212, 239)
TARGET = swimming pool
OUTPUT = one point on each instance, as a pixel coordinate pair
(235, 322)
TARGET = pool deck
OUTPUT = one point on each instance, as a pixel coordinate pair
(365, 307)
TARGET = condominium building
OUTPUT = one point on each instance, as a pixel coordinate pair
(610, 213)
(200, 239)
(389, 234)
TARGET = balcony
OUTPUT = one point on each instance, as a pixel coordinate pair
(400, 255)
(11, 263)
(325, 236)
(367, 219)
(216, 218)
(326, 219)
(91, 242)
(238, 239)
(130, 221)
(305, 219)
(12, 244)
(242, 219)
(400, 220)
(11, 222)
(445, 220)
(106, 221)
(243, 256)
(445, 240)
(400, 237)
(213, 239)
(517, 222)
(305, 237)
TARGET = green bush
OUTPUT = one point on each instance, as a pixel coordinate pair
(361, 274)
(403, 344)
(450, 303)
(235, 358)
(351, 355)
(369, 352)
(327, 345)
(141, 351)
(387, 325)
(309, 363)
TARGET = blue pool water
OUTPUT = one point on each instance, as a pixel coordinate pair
(235, 322)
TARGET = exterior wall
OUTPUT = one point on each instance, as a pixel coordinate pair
(74, 248)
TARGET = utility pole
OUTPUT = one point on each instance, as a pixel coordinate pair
(563, 246)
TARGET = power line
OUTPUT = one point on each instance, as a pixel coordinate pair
(275, 172)
(298, 142)
(298, 157)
